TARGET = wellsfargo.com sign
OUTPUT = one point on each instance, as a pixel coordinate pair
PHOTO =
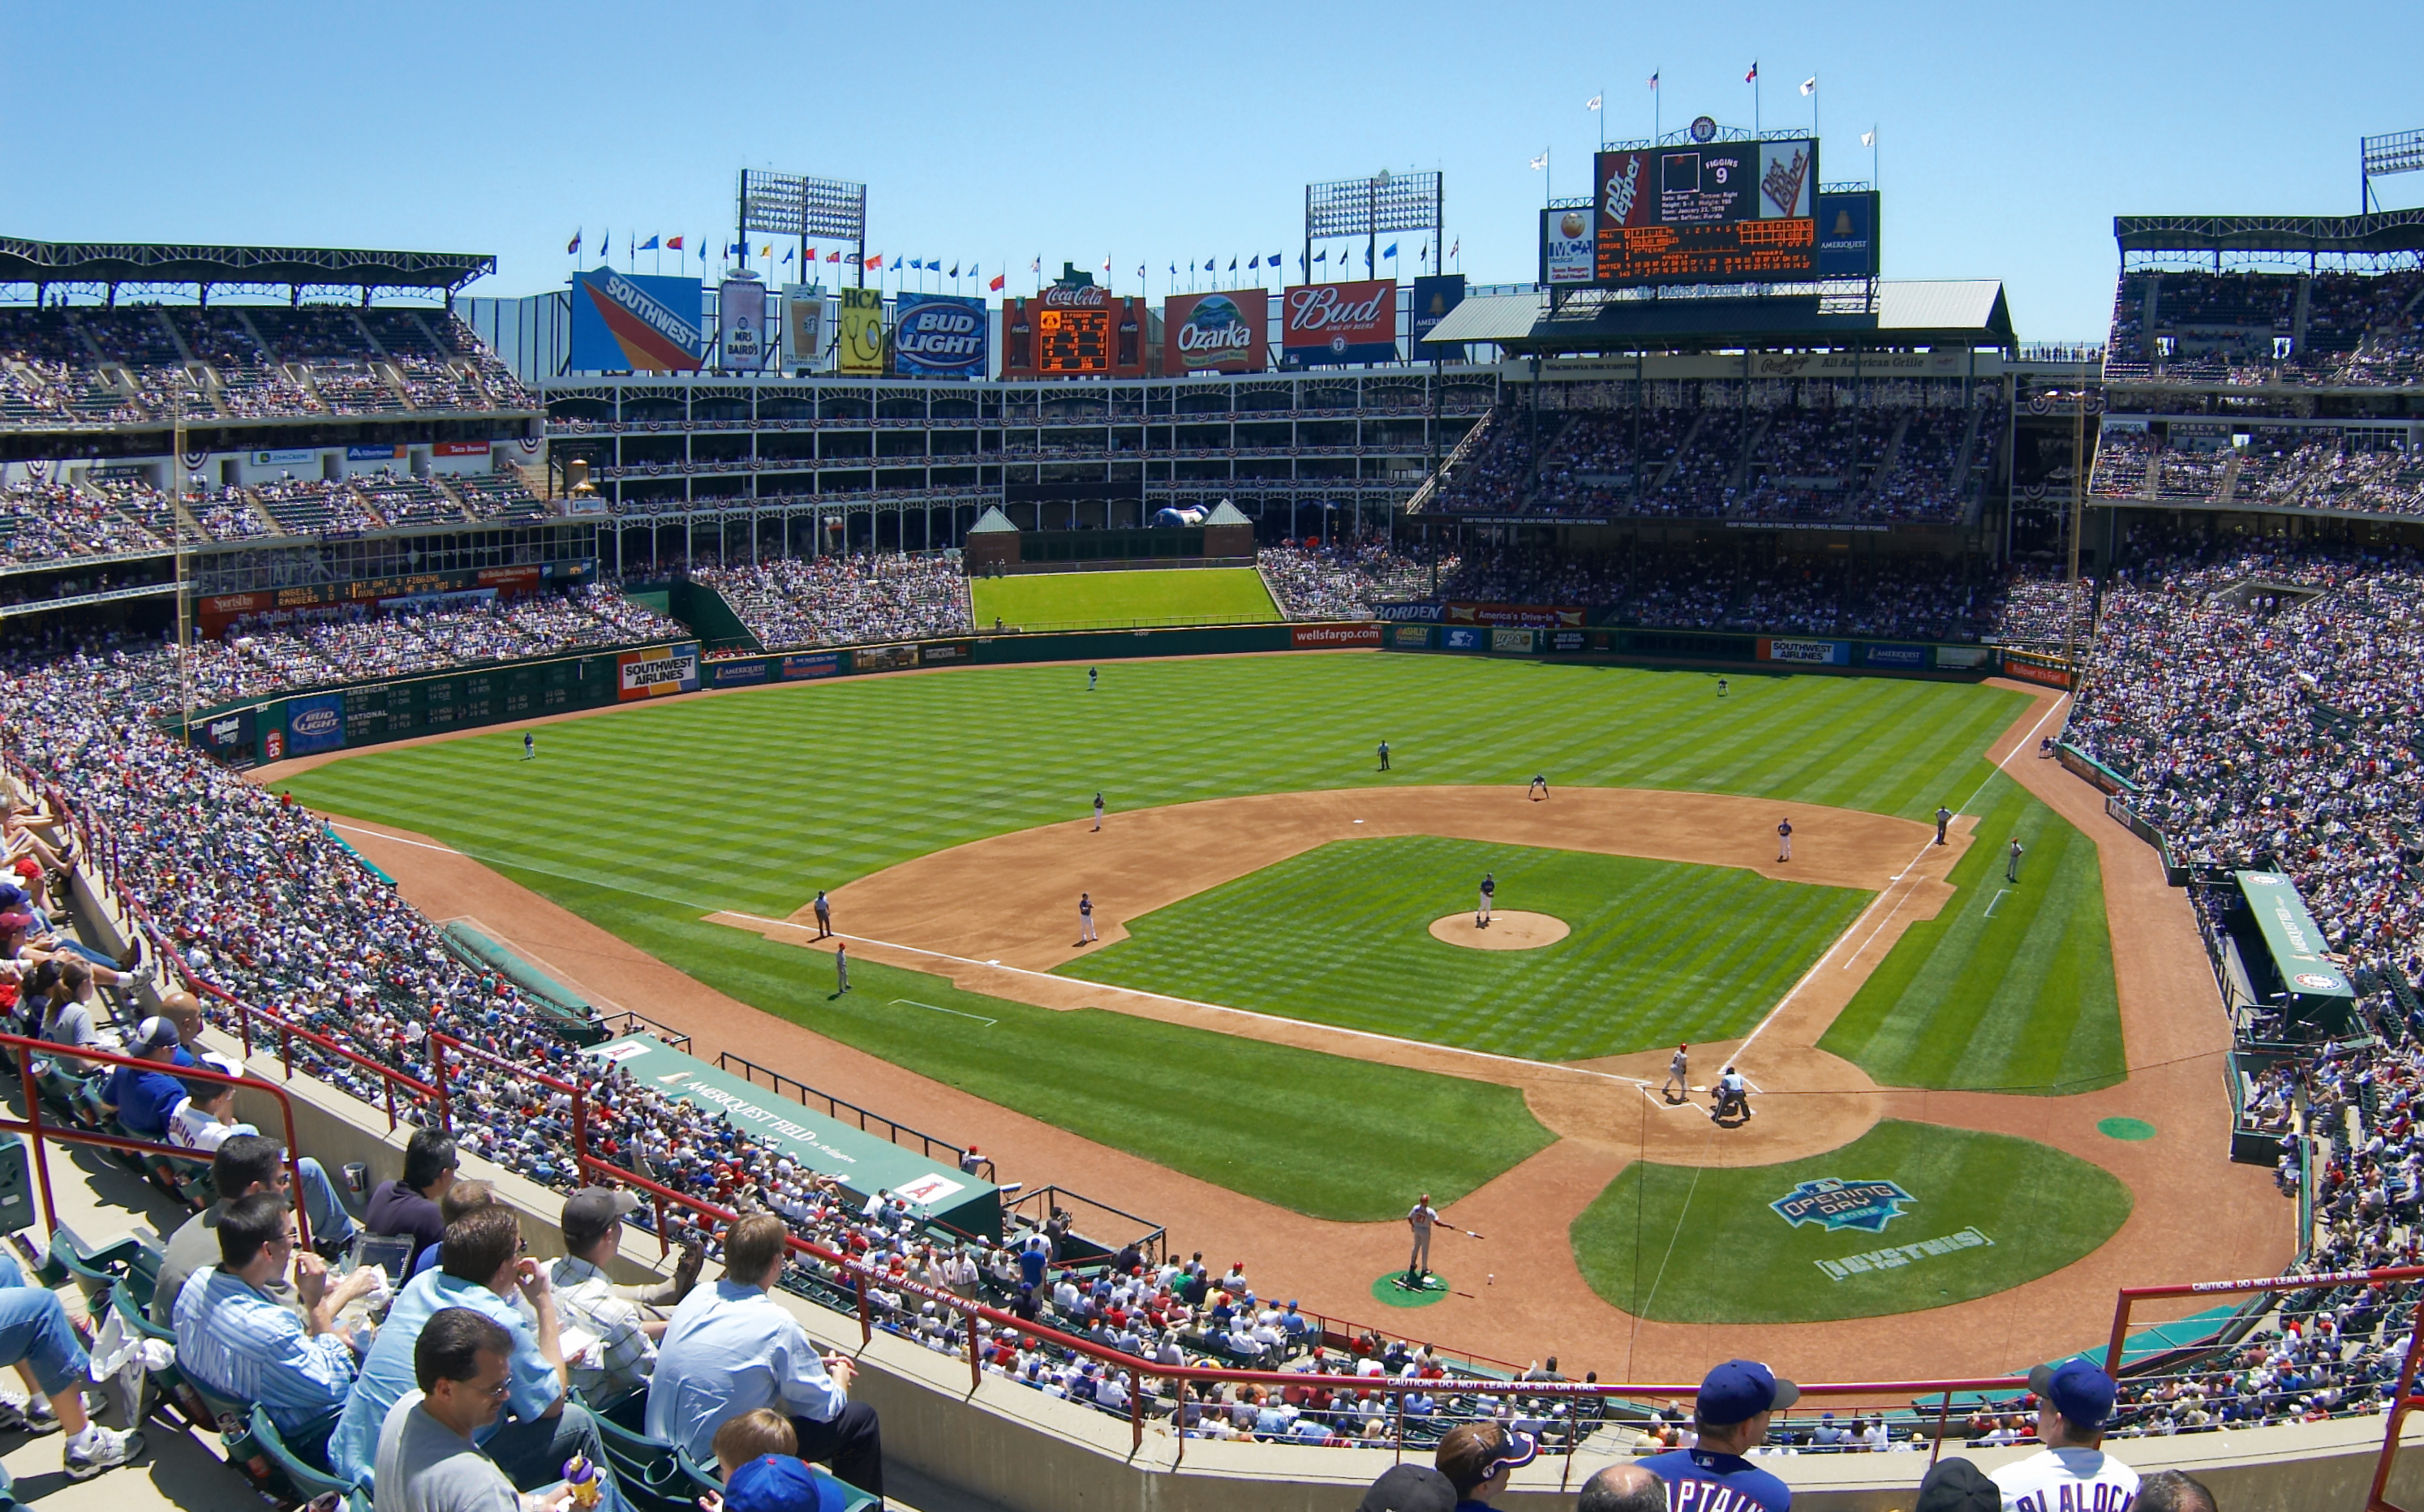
(1318, 637)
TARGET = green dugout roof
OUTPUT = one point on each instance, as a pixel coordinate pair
(860, 1161)
(2290, 933)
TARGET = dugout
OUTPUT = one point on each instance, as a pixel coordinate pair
(2277, 947)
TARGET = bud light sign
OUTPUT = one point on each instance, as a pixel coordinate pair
(939, 336)
(1334, 323)
(1214, 333)
(315, 723)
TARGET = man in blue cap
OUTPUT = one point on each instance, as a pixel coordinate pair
(1730, 1416)
(2074, 1400)
(780, 1483)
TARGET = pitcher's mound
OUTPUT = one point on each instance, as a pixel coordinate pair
(1510, 930)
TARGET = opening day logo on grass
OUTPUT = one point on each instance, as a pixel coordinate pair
(1866, 1205)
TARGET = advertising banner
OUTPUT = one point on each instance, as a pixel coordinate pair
(1411, 614)
(1847, 235)
(636, 323)
(804, 325)
(1511, 640)
(820, 665)
(375, 453)
(1459, 638)
(939, 336)
(315, 723)
(734, 674)
(1320, 637)
(1433, 296)
(1412, 636)
(862, 332)
(883, 658)
(1569, 641)
(1807, 653)
(459, 449)
(1569, 246)
(291, 456)
(655, 673)
(1705, 213)
(741, 325)
(230, 737)
(1542, 616)
(942, 652)
(2032, 672)
(1914, 657)
(1962, 657)
(1334, 323)
(1215, 332)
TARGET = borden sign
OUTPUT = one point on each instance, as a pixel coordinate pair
(1340, 322)
(1214, 333)
(652, 674)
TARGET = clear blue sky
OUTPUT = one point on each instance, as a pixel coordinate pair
(2010, 136)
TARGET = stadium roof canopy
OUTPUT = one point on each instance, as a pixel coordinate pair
(1967, 313)
(109, 264)
(2375, 235)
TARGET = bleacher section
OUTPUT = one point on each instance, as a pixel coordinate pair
(2245, 329)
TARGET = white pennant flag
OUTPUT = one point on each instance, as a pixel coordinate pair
(1541, 162)
(1593, 102)
(1868, 138)
(1809, 85)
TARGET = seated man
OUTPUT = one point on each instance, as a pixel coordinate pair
(182, 1009)
(485, 1271)
(140, 1098)
(408, 1205)
(240, 1343)
(245, 1164)
(36, 1338)
(428, 1459)
(460, 1199)
(609, 1347)
(732, 1348)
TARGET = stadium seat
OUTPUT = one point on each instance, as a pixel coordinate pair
(301, 1463)
(652, 1474)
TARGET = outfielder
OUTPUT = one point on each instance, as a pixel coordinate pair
(1678, 1072)
(1085, 918)
(1384, 756)
(1092, 673)
(841, 969)
(1481, 909)
(530, 746)
(1784, 840)
(1420, 1220)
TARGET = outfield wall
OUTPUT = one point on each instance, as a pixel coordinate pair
(1695, 648)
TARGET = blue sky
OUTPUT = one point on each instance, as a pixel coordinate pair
(2009, 136)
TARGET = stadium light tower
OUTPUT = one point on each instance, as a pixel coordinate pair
(2379, 157)
(1372, 207)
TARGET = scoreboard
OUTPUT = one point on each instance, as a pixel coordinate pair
(1072, 342)
(1706, 212)
(1074, 329)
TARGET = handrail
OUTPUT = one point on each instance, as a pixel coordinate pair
(26, 1049)
(775, 1080)
(438, 1040)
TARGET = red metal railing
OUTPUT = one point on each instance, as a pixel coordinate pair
(439, 1042)
(26, 1050)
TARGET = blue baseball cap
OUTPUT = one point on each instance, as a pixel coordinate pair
(1739, 1390)
(2079, 1391)
(779, 1483)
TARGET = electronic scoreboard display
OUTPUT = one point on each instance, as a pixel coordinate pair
(1707, 212)
(1070, 341)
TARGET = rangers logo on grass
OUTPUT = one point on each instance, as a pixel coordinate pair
(1867, 1205)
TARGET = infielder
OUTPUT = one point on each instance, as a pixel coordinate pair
(1098, 811)
(824, 914)
(1481, 909)
(1784, 840)
(2012, 861)
(1085, 918)
(1420, 1220)
(1539, 790)
(1678, 1072)
(1384, 756)
(841, 969)
(1943, 818)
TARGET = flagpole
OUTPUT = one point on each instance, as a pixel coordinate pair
(1754, 99)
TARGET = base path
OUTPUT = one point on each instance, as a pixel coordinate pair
(1527, 1298)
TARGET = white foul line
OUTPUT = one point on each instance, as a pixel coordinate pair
(397, 839)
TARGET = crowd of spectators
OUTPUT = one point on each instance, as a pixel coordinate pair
(1344, 579)
(2278, 467)
(2248, 327)
(843, 600)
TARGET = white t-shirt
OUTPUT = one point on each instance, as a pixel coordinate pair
(190, 1128)
(2067, 1480)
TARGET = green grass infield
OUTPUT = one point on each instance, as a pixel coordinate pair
(1680, 1244)
(1118, 600)
(1660, 951)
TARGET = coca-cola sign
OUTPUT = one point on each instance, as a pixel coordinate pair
(1076, 296)
(1340, 322)
(1214, 333)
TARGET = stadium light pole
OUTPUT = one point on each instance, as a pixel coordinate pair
(176, 542)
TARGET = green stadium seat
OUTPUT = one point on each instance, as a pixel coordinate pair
(302, 1462)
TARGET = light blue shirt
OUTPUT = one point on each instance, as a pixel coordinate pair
(386, 1375)
(239, 1345)
(731, 1349)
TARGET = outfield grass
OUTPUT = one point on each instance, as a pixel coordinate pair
(1661, 951)
(1323, 1134)
(1680, 1244)
(2018, 999)
(1099, 600)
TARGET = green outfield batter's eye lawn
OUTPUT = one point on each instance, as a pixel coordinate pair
(2010, 987)
(1114, 600)
(1660, 950)
(1680, 1243)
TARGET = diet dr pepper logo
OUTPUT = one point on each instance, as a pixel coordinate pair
(1866, 1205)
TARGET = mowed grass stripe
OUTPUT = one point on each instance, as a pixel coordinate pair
(2021, 1001)
(1659, 950)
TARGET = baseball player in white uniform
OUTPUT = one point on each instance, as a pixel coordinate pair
(1420, 1219)
(2073, 1471)
(1678, 1072)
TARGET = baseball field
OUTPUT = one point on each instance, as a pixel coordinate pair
(1288, 1008)
(1101, 600)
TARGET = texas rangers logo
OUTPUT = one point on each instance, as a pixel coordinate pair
(1866, 1205)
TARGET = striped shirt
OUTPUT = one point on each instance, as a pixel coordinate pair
(239, 1345)
(605, 1351)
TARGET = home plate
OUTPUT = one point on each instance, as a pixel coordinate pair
(1510, 930)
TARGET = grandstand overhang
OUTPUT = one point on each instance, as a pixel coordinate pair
(1965, 314)
(175, 265)
(2387, 234)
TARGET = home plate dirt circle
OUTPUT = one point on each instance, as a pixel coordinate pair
(1510, 929)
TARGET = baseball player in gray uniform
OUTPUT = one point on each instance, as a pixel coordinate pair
(1085, 918)
(1678, 1072)
(1784, 839)
(1481, 909)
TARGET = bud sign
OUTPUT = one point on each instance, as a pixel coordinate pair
(1335, 322)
